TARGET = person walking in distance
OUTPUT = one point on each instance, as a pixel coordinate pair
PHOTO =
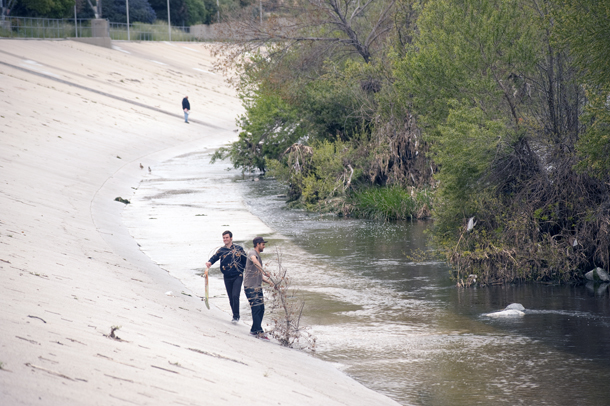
(254, 275)
(232, 262)
(186, 106)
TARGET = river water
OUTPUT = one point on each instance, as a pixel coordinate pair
(399, 327)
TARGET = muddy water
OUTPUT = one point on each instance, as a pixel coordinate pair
(403, 328)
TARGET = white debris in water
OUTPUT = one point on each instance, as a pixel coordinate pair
(515, 306)
(506, 313)
(598, 274)
(512, 310)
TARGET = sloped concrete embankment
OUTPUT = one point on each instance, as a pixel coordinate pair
(76, 122)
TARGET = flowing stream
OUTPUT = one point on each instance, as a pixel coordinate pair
(399, 327)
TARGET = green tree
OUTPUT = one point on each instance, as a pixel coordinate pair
(465, 77)
(583, 27)
(268, 128)
(182, 12)
(594, 145)
(476, 52)
(325, 60)
(466, 147)
(198, 12)
(322, 101)
(43, 8)
(139, 11)
(501, 102)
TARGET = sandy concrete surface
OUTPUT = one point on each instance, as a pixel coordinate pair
(76, 123)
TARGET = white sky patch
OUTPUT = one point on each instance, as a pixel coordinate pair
(205, 71)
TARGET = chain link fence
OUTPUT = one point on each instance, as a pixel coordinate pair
(50, 28)
(150, 32)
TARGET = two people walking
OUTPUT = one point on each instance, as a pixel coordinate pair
(238, 268)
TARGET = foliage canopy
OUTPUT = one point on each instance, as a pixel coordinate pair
(498, 108)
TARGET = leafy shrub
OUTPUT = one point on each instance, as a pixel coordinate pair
(269, 127)
(391, 203)
(317, 174)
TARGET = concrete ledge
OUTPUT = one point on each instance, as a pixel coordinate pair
(105, 42)
(213, 32)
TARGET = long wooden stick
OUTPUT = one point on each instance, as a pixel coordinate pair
(207, 290)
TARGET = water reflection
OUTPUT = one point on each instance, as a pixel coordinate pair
(404, 329)
(567, 318)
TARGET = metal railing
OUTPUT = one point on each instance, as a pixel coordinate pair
(30, 27)
(49, 28)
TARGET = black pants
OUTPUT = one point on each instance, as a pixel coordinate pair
(257, 304)
(233, 286)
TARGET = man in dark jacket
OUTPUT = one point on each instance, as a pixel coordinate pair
(232, 262)
(186, 106)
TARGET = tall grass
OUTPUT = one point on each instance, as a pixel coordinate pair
(148, 32)
(391, 203)
(47, 28)
(29, 27)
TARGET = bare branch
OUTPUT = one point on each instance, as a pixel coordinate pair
(332, 23)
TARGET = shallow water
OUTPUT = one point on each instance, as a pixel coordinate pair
(399, 327)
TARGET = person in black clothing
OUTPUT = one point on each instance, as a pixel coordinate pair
(186, 106)
(232, 262)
